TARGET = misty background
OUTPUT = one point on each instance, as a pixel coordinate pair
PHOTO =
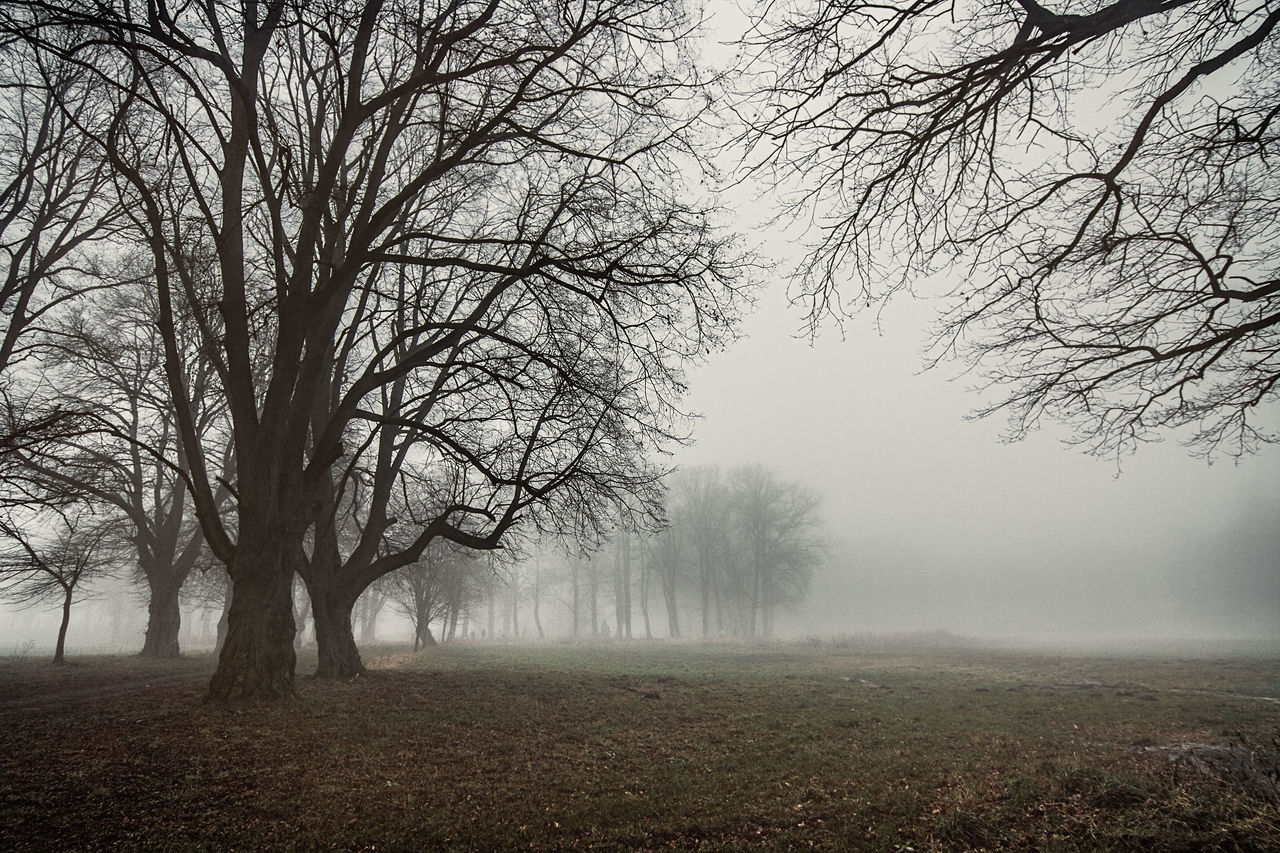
(939, 525)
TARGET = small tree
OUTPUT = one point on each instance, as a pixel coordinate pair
(53, 564)
(423, 590)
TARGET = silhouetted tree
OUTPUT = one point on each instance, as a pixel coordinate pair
(1098, 177)
(57, 207)
(422, 590)
(50, 556)
(702, 494)
(666, 555)
(105, 360)
(777, 528)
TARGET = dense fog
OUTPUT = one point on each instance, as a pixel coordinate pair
(939, 525)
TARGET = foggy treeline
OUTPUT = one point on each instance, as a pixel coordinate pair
(737, 548)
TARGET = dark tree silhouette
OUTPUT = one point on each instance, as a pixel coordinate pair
(778, 532)
(450, 242)
(53, 563)
(422, 590)
(56, 204)
(1098, 179)
(108, 359)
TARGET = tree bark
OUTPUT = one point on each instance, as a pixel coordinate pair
(338, 655)
(222, 616)
(257, 661)
(164, 618)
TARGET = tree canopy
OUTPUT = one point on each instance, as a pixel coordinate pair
(1095, 180)
(450, 255)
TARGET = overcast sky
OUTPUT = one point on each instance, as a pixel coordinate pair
(940, 525)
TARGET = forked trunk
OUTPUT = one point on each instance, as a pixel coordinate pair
(257, 660)
(164, 619)
(335, 642)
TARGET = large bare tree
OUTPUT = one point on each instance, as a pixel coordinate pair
(388, 188)
(105, 362)
(1097, 180)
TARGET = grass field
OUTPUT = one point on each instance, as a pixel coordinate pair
(663, 746)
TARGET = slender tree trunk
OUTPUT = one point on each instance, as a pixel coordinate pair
(223, 617)
(593, 590)
(492, 599)
(574, 583)
(704, 590)
(626, 583)
(515, 605)
(164, 619)
(257, 661)
(673, 614)
(537, 597)
(619, 599)
(644, 597)
(755, 598)
(59, 651)
(371, 606)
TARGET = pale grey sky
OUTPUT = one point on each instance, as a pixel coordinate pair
(943, 526)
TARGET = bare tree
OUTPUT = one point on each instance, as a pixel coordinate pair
(777, 525)
(51, 555)
(702, 493)
(667, 558)
(422, 590)
(105, 360)
(1098, 177)
(387, 188)
(57, 207)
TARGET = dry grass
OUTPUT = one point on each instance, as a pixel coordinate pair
(645, 747)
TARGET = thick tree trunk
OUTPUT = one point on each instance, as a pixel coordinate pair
(338, 655)
(257, 660)
(164, 619)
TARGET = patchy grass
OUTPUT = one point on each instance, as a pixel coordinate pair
(656, 746)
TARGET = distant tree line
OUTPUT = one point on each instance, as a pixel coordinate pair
(737, 548)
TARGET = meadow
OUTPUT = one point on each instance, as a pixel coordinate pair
(795, 746)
